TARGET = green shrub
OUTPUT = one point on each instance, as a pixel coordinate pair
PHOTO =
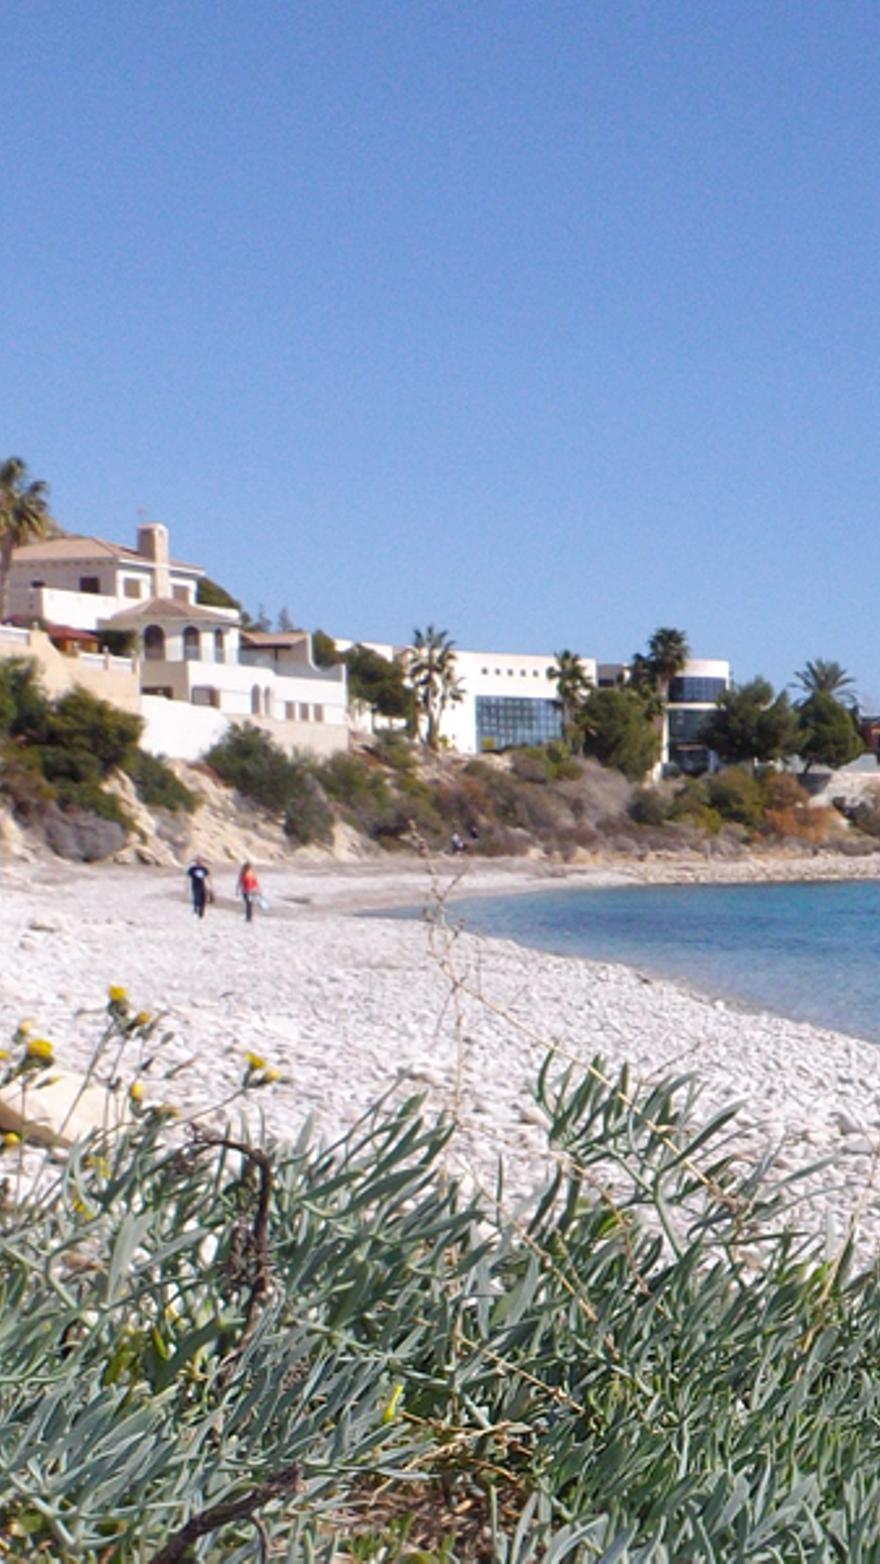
(157, 786)
(23, 706)
(247, 759)
(180, 1327)
(648, 807)
(531, 764)
(736, 795)
(88, 795)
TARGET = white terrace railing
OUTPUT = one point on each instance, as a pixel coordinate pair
(15, 635)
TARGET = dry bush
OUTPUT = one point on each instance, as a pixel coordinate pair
(800, 823)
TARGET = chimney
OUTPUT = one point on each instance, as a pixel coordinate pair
(152, 543)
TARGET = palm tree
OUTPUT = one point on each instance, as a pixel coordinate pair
(824, 678)
(24, 517)
(668, 651)
(572, 685)
(430, 665)
(653, 672)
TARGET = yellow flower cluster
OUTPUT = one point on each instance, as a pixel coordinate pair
(258, 1072)
(40, 1050)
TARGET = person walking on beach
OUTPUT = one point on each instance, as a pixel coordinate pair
(199, 875)
(248, 889)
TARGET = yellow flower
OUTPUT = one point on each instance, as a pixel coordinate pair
(389, 1410)
(142, 1017)
(271, 1075)
(11, 1139)
(24, 1027)
(117, 995)
(4, 1053)
(136, 1092)
(40, 1048)
(254, 1061)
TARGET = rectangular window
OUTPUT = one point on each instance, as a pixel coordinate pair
(687, 689)
(133, 588)
(303, 711)
(687, 726)
(89, 584)
(290, 711)
(506, 720)
(318, 713)
(181, 594)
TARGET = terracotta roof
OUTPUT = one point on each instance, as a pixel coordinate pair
(165, 608)
(80, 546)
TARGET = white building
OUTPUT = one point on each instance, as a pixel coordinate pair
(198, 671)
(79, 581)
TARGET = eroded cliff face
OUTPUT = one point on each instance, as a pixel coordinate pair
(224, 828)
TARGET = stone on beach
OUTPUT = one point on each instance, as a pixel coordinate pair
(59, 1107)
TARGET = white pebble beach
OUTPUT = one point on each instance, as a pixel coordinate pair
(348, 1007)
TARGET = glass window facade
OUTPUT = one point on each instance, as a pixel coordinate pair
(688, 689)
(505, 720)
(685, 727)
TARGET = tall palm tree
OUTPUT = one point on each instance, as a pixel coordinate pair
(572, 686)
(24, 517)
(668, 651)
(667, 654)
(824, 678)
(430, 665)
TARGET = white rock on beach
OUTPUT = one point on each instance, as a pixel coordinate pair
(349, 1008)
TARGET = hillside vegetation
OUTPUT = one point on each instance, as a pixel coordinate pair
(74, 776)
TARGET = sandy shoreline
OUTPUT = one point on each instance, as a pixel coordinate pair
(348, 1007)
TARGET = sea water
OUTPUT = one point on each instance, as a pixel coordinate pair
(810, 951)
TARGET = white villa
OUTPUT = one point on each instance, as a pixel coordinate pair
(197, 670)
(194, 670)
(509, 698)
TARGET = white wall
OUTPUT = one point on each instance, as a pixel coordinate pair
(184, 732)
(519, 674)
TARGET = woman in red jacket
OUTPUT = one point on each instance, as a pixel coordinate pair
(248, 889)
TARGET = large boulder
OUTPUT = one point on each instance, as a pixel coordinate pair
(59, 1107)
(81, 836)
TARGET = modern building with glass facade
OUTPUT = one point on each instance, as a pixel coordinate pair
(692, 697)
(509, 699)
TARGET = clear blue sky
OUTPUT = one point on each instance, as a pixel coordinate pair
(545, 321)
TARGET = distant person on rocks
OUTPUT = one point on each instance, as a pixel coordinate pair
(456, 843)
(248, 889)
(199, 875)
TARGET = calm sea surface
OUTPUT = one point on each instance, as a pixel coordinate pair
(808, 951)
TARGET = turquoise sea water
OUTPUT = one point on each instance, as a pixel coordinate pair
(808, 951)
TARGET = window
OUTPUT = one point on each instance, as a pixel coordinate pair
(204, 695)
(219, 647)
(686, 726)
(181, 593)
(303, 711)
(503, 720)
(290, 711)
(318, 713)
(267, 702)
(696, 689)
(154, 643)
(192, 648)
(132, 588)
(255, 700)
(89, 584)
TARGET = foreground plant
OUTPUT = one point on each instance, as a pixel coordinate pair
(221, 1351)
